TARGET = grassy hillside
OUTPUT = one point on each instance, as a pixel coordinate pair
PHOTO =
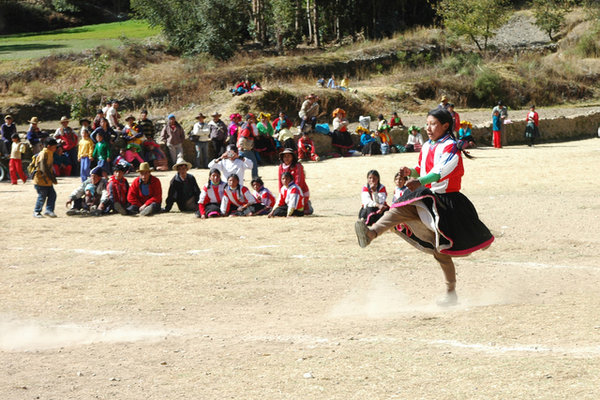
(407, 73)
(31, 46)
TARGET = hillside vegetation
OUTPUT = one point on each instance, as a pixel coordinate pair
(408, 72)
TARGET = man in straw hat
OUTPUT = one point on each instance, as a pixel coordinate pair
(35, 135)
(69, 139)
(145, 193)
(7, 129)
(198, 136)
(183, 189)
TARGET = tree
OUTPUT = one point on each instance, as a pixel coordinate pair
(474, 19)
(196, 26)
(550, 15)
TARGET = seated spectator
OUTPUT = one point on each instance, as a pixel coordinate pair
(264, 144)
(368, 144)
(309, 111)
(306, 148)
(282, 122)
(236, 198)
(400, 181)
(255, 87)
(242, 88)
(395, 120)
(340, 138)
(365, 122)
(183, 189)
(289, 202)
(264, 199)
(209, 204)
(415, 140)
(62, 163)
(321, 82)
(97, 118)
(286, 139)
(384, 139)
(231, 163)
(331, 82)
(134, 137)
(344, 84)
(373, 199)
(114, 198)
(289, 163)
(145, 193)
(381, 122)
(464, 134)
(121, 159)
(95, 185)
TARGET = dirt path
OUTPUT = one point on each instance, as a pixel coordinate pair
(170, 307)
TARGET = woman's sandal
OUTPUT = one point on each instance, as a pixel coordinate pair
(362, 233)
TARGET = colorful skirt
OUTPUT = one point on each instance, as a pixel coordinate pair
(453, 218)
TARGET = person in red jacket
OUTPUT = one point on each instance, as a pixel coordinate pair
(145, 193)
(289, 163)
(306, 148)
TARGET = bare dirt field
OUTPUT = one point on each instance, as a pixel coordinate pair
(172, 307)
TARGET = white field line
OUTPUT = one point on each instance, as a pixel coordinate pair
(582, 351)
(535, 265)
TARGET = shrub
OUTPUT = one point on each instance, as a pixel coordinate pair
(587, 46)
(487, 86)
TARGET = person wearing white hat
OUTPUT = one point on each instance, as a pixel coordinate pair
(145, 193)
(183, 189)
(69, 139)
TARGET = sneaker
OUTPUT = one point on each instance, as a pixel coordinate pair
(197, 214)
(50, 214)
(72, 211)
(37, 215)
(448, 300)
(95, 212)
(120, 209)
(362, 233)
(146, 211)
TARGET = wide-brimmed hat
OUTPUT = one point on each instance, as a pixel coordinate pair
(312, 96)
(144, 167)
(64, 119)
(8, 117)
(34, 120)
(288, 151)
(444, 98)
(51, 142)
(82, 120)
(181, 161)
(200, 115)
(215, 114)
(130, 117)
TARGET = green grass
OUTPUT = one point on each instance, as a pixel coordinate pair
(35, 45)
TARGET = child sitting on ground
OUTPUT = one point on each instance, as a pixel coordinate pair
(211, 195)
(264, 199)
(90, 197)
(373, 199)
(289, 203)
(236, 198)
(464, 134)
(306, 148)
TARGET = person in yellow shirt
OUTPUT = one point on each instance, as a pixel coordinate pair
(44, 179)
(84, 154)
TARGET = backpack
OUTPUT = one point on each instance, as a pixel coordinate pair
(33, 166)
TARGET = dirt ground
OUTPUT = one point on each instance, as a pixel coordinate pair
(172, 307)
